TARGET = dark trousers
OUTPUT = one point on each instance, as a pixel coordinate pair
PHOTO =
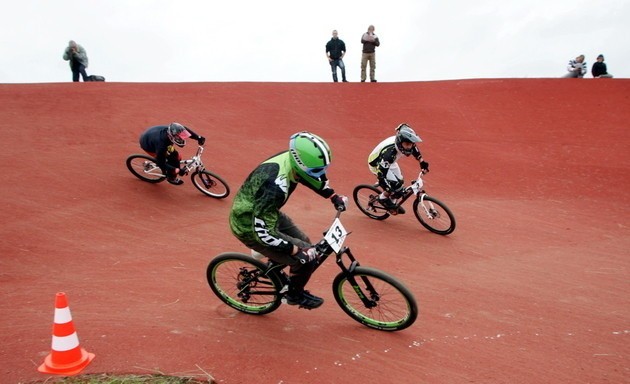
(173, 159)
(300, 273)
(78, 68)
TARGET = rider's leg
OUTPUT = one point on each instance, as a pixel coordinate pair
(173, 159)
(393, 182)
(300, 273)
(290, 232)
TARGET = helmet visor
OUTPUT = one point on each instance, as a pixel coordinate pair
(316, 172)
(180, 138)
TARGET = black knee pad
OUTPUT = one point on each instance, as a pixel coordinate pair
(396, 185)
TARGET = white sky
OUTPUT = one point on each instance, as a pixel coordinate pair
(283, 40)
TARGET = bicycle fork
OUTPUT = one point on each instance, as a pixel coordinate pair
(370, 300)
(431, 212)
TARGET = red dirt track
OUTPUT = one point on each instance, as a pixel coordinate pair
(532, 287)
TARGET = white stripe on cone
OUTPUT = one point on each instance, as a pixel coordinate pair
(62, 315)
(65, 343)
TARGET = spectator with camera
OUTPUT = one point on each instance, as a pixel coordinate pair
(76, 55)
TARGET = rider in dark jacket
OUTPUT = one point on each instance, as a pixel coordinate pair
(158, 142)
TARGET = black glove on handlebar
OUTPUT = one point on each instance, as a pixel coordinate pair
(306, 255)
(201, 140)
(339, 201)
(424, 166)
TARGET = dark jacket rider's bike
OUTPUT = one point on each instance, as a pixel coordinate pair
(144, 167)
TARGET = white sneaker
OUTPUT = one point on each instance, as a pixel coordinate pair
(257, 255)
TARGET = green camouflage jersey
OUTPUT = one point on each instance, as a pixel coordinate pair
(256, 206)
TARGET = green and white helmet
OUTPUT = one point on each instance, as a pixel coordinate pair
(310, 155)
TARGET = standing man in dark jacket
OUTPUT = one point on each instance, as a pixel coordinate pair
(77, 56)
(335, 51)
(370, 42)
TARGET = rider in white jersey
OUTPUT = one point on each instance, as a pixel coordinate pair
(383, 163)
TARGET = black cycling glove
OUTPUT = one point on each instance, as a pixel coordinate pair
(340, 202)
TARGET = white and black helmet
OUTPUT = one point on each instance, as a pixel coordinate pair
(405, 134)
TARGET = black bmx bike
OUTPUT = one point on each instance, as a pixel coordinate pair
(433, 214)
(368, 295)
(144, 167)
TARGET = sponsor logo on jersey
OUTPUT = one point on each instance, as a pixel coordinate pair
(282, 183)
(263, 233)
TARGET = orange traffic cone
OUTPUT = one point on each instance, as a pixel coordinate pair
(67, 357)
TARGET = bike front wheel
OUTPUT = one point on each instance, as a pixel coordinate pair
(144, 168)
(239, 281)
(210, 184)
(366, 198)
(375, 299)
(434, 215)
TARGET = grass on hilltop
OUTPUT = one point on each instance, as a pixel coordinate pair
(125, 379)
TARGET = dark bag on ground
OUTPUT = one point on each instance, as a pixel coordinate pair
(96, 78)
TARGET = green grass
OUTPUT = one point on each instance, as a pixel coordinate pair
(125, 379)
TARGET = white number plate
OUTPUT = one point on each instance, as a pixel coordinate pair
(336, 235)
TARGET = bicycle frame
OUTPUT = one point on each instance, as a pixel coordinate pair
(194, 162)
(413, 189)
(325, 248)
(190, 164)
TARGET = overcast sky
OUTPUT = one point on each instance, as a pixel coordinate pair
(284, 40)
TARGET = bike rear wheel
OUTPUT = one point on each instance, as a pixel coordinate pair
(210, 184)
(144, 168)
(239, 281)
(434, 215)
(375, 299)
(366, 198)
